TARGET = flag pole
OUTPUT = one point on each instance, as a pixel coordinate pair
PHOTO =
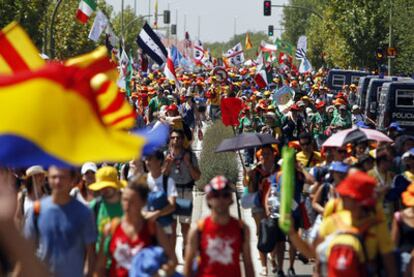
(122, 17)
(244, 175)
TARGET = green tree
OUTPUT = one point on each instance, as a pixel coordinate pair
(30, 14)
(132, 27)
(403, 37)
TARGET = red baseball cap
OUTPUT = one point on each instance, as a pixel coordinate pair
(172, 108)
(294, 107)
(218, 183)
(320, 105)
(358, 186)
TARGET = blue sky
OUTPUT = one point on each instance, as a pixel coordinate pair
(217, 17)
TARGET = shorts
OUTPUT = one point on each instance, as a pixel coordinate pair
(185, 193)
(168, 229)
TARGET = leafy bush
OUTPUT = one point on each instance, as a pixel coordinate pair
(213, 164)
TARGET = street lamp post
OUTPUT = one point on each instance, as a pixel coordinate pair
(52, 25)
(390, 39)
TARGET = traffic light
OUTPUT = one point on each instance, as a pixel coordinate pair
(267, 8)
(270, 30)
(379, 54)
(173, 29)
(166, 17)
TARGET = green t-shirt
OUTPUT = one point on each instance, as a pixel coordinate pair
(154, 104)
(106, 212)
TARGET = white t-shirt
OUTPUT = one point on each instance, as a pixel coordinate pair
(157, 185)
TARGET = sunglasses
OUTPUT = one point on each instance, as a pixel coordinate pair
(217, 194)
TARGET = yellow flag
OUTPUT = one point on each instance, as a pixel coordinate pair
(248, 43)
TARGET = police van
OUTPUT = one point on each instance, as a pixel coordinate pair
(396, 104)
(337, 78)
(362, 90)
(373, 93)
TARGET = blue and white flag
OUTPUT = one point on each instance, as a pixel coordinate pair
(151, 45)
(175, 56)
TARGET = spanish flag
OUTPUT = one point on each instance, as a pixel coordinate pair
(115, 111)
(51, 116)
(248, 43)
(17, 51)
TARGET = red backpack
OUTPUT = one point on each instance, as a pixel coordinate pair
(343, 252)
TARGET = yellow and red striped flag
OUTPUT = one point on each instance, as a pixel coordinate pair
(17, 51)
(115, 111)
(58, 122)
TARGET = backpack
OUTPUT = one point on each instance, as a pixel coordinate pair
(343, 253)
(158, 200)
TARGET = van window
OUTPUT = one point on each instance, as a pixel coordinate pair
(338, 80)
(379, 93)
(355, 79)
(404, 98)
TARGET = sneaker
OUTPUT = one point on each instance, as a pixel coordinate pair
(291, 272)
(280, 273)
(303, 259)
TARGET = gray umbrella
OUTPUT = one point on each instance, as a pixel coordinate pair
(245, 141)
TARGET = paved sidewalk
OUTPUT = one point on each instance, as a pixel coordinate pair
(201, 210)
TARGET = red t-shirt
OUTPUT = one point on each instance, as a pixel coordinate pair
(122, 248)
(220, 248)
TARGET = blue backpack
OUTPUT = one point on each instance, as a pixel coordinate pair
(158, 200)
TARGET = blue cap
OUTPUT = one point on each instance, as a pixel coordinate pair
(148, 261)
(361, 124)
(339, 167)
(396, 126)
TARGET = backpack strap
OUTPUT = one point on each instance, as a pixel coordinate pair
(200, 228)
(22, 200)
(114, 224)
(165, 183)
(97, 207)
(36, 214)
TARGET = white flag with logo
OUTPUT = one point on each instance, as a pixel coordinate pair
(235, 55)
(198, 50)
(99, 25)
(301, 48)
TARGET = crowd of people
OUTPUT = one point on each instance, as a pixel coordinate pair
(353, 204)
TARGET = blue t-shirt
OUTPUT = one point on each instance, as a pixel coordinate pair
(64, 233)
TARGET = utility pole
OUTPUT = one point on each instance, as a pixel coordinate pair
(235, 25)
(390, 39)
(185, 23)
(52, 26)
(199, 17)
(176, 28)
(135, 7)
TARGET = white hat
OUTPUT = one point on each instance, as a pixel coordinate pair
(33, 170)
(89, 166)
(355, 107)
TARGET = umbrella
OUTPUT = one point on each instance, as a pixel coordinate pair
(244, 141)
(344, 137)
